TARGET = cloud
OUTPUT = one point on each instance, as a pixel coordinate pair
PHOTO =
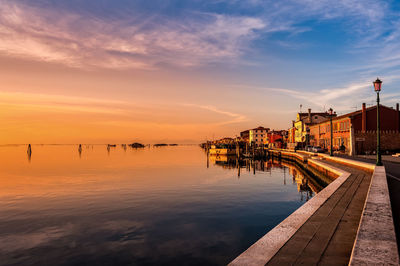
(114, 112)
(143, 40)
(367, 10)
(84, 40)
(235, 118)
(61, 103)
(341, 98)
(290, 12)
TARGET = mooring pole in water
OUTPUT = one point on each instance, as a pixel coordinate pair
(284, 175)
(29, 152)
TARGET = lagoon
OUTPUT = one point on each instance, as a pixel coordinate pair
(157, 205)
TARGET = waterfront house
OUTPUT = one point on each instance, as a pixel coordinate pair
(290, 141)
(256, 135)
(245, 135)
(302, 125)
(355, 132)
(274, 138)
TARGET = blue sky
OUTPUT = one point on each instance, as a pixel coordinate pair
(250, 61)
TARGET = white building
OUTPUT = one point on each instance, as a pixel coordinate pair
(257, 135)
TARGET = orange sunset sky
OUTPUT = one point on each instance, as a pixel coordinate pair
(123, 71)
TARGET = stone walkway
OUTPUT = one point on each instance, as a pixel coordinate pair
(393, 179)
(328, 236)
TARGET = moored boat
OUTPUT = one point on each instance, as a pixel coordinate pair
(222, 150)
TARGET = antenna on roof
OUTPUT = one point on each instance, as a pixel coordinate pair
(301, 107)
(355, 107)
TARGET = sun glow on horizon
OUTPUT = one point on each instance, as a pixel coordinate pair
(120, 71)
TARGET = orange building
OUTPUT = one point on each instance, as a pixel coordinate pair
(355, 132)
(274, 139)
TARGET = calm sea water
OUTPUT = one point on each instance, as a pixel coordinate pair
(164, 205)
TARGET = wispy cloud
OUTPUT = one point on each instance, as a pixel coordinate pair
(233, 117)
(53, 35)
(148, 41)
(61, 103)
(342, 99)
(117, 112)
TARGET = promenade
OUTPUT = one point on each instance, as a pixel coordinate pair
(349, 222)
(392, 166)
(328, 236)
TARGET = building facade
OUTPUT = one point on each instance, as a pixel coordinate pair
(256, 135)
(355, 133)
(302, 125)
(245, 135)
(274, 139)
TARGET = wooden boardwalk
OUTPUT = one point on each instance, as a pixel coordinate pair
(328, 236)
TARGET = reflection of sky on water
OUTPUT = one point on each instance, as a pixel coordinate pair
(150, 206)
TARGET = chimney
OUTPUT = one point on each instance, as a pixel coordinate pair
(364, 118)
(309, 115)
(398, 117)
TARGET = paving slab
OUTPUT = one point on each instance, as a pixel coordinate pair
(328, 236)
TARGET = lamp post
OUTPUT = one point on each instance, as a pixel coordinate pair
(377, 86)
(331, 115)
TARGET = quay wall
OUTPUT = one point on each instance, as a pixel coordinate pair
(266, 247)
(288, 155)
(376, 240)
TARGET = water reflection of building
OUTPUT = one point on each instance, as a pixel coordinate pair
(226, 161)
(306, 188)
(308, 185)
(315, 183)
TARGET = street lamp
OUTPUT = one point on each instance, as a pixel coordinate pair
(377, 86)
(331, 115)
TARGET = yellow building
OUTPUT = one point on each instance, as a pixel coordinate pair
(302, 123)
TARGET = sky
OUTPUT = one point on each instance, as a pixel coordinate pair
(119, 71)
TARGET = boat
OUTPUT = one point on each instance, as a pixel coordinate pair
(160, 145)
(136, 145)
(222, 149)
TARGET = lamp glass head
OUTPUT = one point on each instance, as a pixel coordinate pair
(377, 85)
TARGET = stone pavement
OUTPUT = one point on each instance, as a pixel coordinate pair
(328, 236)
(393, 179)
(388, 158)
